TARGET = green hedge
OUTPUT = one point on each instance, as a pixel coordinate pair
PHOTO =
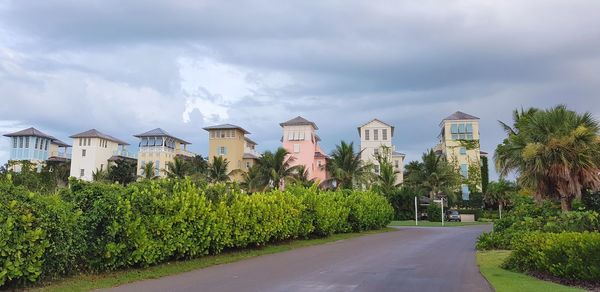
(102, 227)
(568, 255)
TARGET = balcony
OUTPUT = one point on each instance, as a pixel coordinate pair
(59, 154)
(125, 153)
(184, 152)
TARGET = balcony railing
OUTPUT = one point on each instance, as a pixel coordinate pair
(59, 154)
(184, 152)
(125, 153)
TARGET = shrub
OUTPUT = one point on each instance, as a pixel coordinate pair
(568, 255)
(434, 212)
(102, 227)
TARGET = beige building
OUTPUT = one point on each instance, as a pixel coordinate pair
(230, 141)
(375, 138)
(93, 151)
(459, 144)
(161, 148)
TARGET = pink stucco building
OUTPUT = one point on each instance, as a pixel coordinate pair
(302, 142)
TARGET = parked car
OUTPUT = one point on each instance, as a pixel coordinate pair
(452, 215)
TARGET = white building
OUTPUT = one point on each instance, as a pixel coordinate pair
(93, 151)
(375, 137)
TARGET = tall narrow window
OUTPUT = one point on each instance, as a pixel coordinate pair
(463, 151)
(384, 134)
(83, 152)
(157, 168)
(20, 142)
(375, 135)
(80, 141)
(37, 143)
(396, 164)
(46, 146)
(367, 135)
(15, 142)
(465, 192)
(469, 128)
(26, 142)
(376, 151)
(454, 129)
(81, 172)
(290, 136)
(464, 171)
(89, 142)
(296, 148)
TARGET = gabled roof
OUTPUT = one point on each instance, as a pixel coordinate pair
(226, 127)
(93, 133)
(29, 132)
(458, 115)
(37, 133)
(299, 121)
(158, 132)
(250, 141)
(375, 120)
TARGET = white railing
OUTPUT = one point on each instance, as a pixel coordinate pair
(185, 152)
(59, 154)
(125, 153)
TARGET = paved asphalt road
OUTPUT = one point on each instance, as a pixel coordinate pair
(410, 259)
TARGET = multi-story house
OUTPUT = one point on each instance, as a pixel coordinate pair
(376, 140)
(459, 144)
(93, 151)
(36, 147)
(230, 142)
(161, 148)
(302, 142)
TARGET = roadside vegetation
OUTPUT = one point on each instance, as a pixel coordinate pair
(551, 230)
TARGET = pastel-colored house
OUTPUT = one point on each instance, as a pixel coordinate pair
(459, 144)
(230, 141)
(375, 138)
(93, 151)
(160, 147)
(302, 142)
(36, 147)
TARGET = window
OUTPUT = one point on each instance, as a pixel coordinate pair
(375, 135)
(26, 142)
(248, 165)
(469, 128)
(20, 142)
(151, 141)
(15, 142)
(89, 141)
(222, 150)
(376, 168)
(367, 135)
(376, 151)
(319, 164)
(396, 163)
(461, 128)
(46, 147)
(37, 143)
(454, 129)
(157, 168)
(159, 141)
(81, 172)
(83, 152)
(291, 136)
(212, 134)
(464, 171)
(301, 136)
(463, 151)
(384, 134)
(80, 141)
(465, 192)
(296, 148)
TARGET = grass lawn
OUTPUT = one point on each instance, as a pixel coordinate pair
(434, 224)
(105, 280)
(503, 280)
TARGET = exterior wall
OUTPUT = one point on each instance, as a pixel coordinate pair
(301, 143)
(368, 146)
(96, 157)
(26, 148)
(233, 145)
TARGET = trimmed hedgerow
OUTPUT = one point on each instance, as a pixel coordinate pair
(567, 255)
(102, 227)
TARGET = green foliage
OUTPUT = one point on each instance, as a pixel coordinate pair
(434, 212)
(346, 167)
(217, 169)
(485, 173)
(568, 255)
(403, 202)
(591, 201)
(433, 175)
(96, 226)
(123, 171)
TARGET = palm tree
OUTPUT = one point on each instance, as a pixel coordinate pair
(178, 168)
(301, 177)
(434, 175)
(253, 180)
(277, 166)
(99, 175)
(386, 178)
(148, 171)
(555, 152)
(500, 193)
(346, 168)
(217, 169)
(198, 165)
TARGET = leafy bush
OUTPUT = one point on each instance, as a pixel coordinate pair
(568, 255)
(102, 227)
(434, 212)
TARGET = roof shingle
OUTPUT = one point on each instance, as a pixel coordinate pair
(226, 127)
(299, 121)
(158, 132)
(458, 115)
(93, 133)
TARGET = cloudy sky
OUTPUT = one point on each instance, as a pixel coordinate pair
(125, 67)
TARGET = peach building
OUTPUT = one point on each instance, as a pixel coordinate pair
(302, 142)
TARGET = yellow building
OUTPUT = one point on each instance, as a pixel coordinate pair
(161, 148)
(459, 144)
(230, 141)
